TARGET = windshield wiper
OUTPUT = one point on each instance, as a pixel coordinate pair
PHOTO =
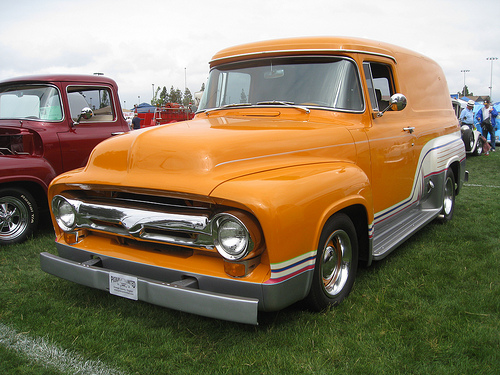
(286, 104)
(269, 102)
(233, 105)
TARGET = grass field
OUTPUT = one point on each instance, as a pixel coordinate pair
(431, 307)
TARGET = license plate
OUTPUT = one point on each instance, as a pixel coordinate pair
(123, 285)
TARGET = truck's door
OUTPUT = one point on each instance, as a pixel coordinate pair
(81, 138)
(392, 141)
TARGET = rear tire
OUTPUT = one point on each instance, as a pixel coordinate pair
(448, 197)
(336, 264)
(18, 215)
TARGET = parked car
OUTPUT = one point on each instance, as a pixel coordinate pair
(307, 156)
(48, 125)
(472, 140)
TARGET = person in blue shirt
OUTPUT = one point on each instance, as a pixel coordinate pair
(136, 121)
(487, 118)
(467, 115)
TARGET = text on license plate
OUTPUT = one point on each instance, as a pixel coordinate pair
(123, 285)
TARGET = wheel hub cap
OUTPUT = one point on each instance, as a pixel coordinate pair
(335, 262)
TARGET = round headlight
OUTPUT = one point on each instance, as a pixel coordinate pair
(232, 238)
(64, 213)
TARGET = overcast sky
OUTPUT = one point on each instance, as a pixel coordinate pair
(163, 42)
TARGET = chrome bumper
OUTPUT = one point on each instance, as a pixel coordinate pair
(175, 295)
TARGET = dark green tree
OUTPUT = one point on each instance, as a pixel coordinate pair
(465, 92)
(175, 95)
(188, 98)
(164, 98)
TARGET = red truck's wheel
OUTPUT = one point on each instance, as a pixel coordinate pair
(18, 215)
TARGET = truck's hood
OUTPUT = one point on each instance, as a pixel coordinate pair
(195, 156)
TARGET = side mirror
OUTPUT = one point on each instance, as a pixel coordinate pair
(86, 114)
(397, 103)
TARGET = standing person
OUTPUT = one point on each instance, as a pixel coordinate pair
(487, 118)
(467, 115)
(136, 121)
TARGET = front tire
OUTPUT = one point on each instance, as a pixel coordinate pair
(468, 139)
(18, 215)
(336, 263)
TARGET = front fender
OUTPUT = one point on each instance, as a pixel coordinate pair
(26, 168)
(293, 204)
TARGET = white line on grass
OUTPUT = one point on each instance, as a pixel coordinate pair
(50, 355)
(486, 186)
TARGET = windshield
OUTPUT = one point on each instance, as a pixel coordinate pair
(325, 82)
(37, 102)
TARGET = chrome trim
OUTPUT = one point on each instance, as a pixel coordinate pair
(218, 220)
(191, 229)
(178, 295)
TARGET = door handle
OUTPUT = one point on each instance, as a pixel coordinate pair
(409, 129)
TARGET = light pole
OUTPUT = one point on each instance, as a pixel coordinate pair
(464, 71)
(491, 75)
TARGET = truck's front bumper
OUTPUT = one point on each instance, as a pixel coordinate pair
(174, 295)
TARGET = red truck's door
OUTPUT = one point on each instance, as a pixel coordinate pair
(81, 138)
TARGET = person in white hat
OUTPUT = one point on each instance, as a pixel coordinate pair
(467, 115)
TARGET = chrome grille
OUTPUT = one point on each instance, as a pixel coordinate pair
(143, 217)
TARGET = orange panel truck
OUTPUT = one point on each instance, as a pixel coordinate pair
(306, 157)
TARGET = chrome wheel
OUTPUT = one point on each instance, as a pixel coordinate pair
(18, 216)
(448, 197)
(13, 218)
(336, 262)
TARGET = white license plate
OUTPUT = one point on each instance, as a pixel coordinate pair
(123, 285)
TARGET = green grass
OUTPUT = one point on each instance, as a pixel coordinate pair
(431, 307)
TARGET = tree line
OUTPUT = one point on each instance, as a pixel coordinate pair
(162, 96)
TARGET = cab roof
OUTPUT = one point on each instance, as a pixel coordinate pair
(61, 78)
(307, 45)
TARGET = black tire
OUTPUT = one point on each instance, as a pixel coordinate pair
(448, 201)
(18, 215)
(336, 264)
(468, 139)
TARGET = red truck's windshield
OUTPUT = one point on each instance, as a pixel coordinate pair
(35, 102)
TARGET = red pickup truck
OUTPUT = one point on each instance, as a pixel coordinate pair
(48, 125)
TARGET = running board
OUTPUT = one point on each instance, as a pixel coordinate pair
(391, 235)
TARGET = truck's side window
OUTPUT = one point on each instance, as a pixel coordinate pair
(380, 84)
(96, 98)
